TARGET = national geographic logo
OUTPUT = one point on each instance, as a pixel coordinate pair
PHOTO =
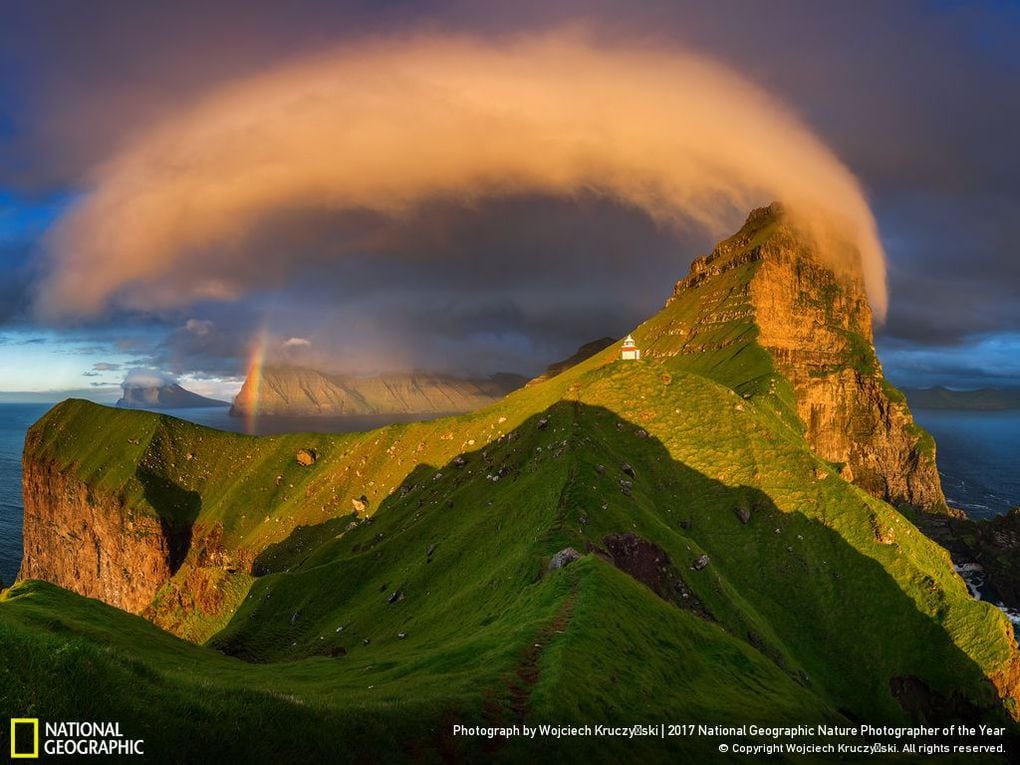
(70, 739)
(24, 738)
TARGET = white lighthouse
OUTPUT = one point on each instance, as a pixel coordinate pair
(630, 350)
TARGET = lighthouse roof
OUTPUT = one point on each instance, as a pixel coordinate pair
(629, 341)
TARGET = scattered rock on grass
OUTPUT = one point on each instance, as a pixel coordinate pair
(564, 557)
(700, 562)
(307, 457)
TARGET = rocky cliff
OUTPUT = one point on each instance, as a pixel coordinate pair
(300, 392)
(112, 513)
(770, 285)
(90, 542)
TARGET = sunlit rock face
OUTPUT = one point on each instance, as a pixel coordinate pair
(770, 283)
(87, 541)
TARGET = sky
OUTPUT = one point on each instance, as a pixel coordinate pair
(351, 181)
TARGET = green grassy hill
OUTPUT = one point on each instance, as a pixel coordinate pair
(726, 574)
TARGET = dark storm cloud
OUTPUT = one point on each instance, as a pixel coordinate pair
(214, 345)
(917, 98)
(955, 270)
(450, 289)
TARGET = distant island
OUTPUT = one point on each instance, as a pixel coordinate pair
(290, 391)
(985, 399)
(167, 396)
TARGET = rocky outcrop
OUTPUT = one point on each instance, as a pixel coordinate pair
(98, 546)
(299, 392)
(563, 558)
(649, 564)
(813, 319)
(992, 544)
(91, 543)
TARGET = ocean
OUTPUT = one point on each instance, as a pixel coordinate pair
(978, 456)
(15, 420)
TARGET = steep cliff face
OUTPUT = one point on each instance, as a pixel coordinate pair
(769, 284)
(299, 392)
(112, 513)
(89, 542)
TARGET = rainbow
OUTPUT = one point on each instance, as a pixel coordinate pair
(250, 392)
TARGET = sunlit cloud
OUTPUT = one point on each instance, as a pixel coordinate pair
(391, 125)
(200, 327)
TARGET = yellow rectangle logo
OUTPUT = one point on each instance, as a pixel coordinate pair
(24, 721)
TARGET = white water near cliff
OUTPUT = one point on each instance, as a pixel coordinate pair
(977, 582)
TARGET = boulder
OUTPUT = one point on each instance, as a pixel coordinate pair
(564, 557)
(360, 504)
(700, 562)
(306, 457)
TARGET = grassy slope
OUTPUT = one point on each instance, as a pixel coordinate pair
(812, 612)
